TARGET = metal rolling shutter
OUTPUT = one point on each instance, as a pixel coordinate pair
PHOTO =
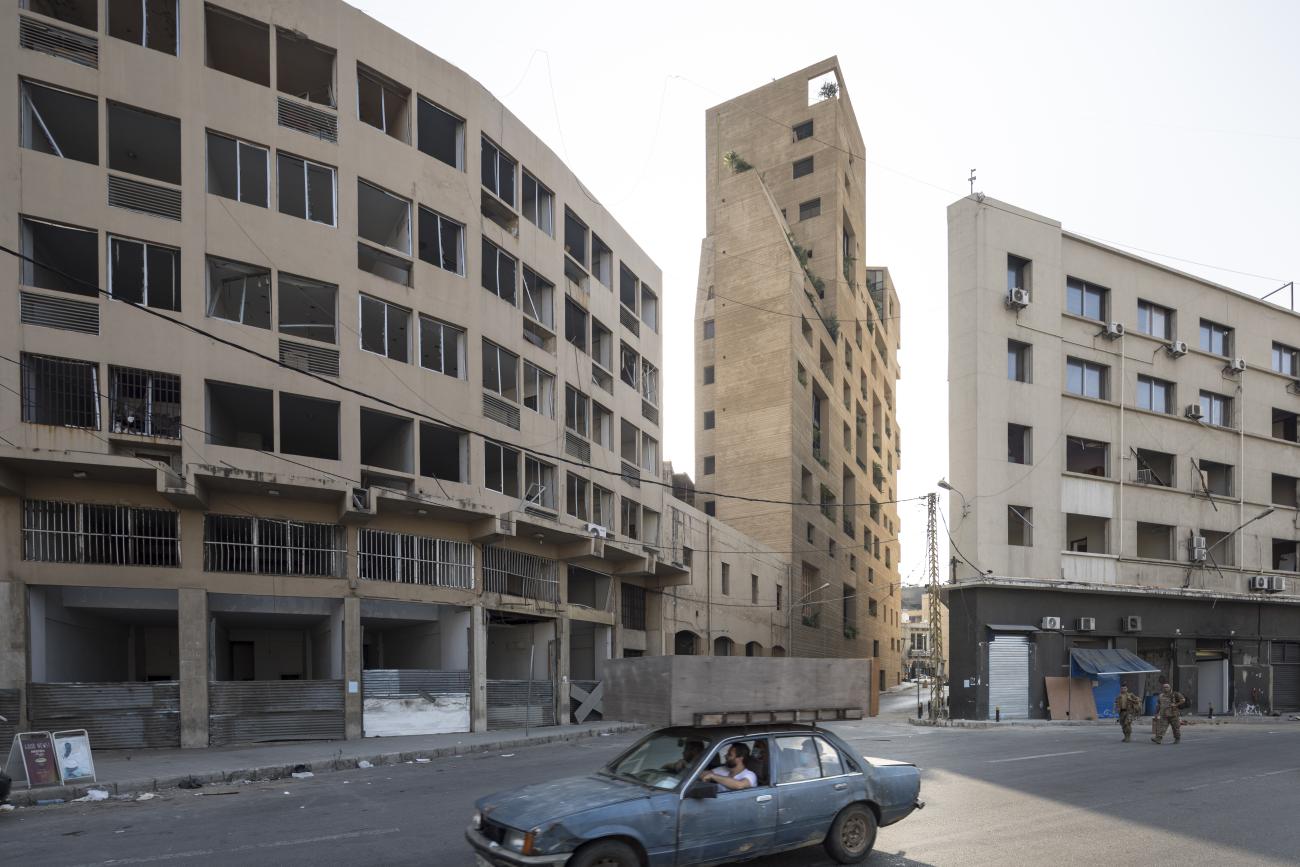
(1009, 676)
(1286, 675)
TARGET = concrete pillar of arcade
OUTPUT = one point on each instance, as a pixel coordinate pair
(192, 630)
(352, 708)
(478, 669)
(562, 670)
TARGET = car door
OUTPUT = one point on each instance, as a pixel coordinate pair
(811, 788)
(732, 825)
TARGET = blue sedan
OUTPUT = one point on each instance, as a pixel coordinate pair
(661, 803)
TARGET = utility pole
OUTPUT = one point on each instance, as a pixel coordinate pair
(937, 709)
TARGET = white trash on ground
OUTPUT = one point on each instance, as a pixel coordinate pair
(93, 795)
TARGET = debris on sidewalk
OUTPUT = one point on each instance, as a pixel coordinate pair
(423, 761)
(218, 792)
(507, 755)
(364, 764)
(147, 796)
(190, 783)
(302, 775)
(92, 795)
(6, 808)
(300, 769)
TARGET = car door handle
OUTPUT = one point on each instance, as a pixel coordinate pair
(763, 799)
(839, 787)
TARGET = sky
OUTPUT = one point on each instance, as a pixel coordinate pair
(1170, 129)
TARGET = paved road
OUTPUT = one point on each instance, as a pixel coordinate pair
(1227, 794)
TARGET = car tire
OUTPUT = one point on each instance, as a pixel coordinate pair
(605, 853)
(852, 835)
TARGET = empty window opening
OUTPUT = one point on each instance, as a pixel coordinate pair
(83, 13)
(1286, 425)
(1085, 378)
(649, 454)
(1216, 409)
(1154, 394)
(238, 170)
(500, 271)
(629, 442)
(1154, 468)
(151, 23)
(516, 574)
(306, 189)
(1085, 299)
(144, 402)
(500, 468)
(577, 410)
(539, 204)
(144, 143)
(803, 167)
(1285, 490)
(143, 273)
(627, 287)
(602, 506)
(630, 517)
(387, 441)
(500, 371)
(649, 308)
(441, 134)
(803, 130)
(66, 258)
(1020, 444)
(303, 68)
(539, 483)
(1083, 455)
(406, 558)
(1216, 338)
(60, 391)
(576, 496)
(1218, 550)
(709, 330)
(239, 292)
(442, 347)
(711, 508)
(444, 453)
(383, 103)
(1017, 273)
(1155, 320)
(309, 426)
(383, 264)
(442, 241)
(629, 365)
(810, 209)
(1155, 541)
(308, 308)
(498, 172)
(823, 87)
(383, 218)
(237, 45)
(385, 328)
(1214, 478)
(1020, 526)
(1284, 555)
(602, 345)
(708, 374)
(1086, 534)
(60, 122)
(240, 416)
(709, 419)
(575, 324)
(602, 425)
(539, 390)
(539, 298)
(602, 261)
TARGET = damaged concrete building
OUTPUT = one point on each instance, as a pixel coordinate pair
(333, 402)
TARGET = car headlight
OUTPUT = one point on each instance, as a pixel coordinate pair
(519, 841)
(476, 821)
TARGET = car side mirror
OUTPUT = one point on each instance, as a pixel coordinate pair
(701, 789)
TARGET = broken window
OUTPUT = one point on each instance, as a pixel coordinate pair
(576, 491)
(650, 454)
(629, 365)
(238, 170)
(650, 382)
(630, 517)
(143, 273)
(1083, 455)
(383, 264)
(803, 167)
(64, 258)
(144, 402)
(144, 143)
(239, 292)
(1286, 425)
(442, 347)
(1020, 526)
(500, 371)
(1286, 490)
(500, 468)
(383, 217)
(1019, 443)
(577, 408)
(602, 506)
(303, 68)
(1154, 468)
(441, 134)
(602, 261)
(575, 324)
(602, 425)
(629, 442)
(60, 391)
(309, 426)
(60, 122)
(500, 271)
(1284, 555)
(308, 308)
(539, 390)
(602, 345)
(151, 23)
(627, 287)
(809, 209)
(1215, 478)
(306, 189)
(1217, 550)
(539, 204)
(649, 307)
(443, 453)
(1086, 534)
(575, 239)
(82, 13)
(1155, 541)
(383, 103)
(498, 172)
(442, 241)
(384, 328)
(539, 483)
(539, 298)
(240, 416)
(387, 441)
(237, 45)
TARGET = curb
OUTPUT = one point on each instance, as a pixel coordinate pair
(62, 794)
(1068, 723)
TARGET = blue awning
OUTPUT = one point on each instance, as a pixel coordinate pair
(1088, 661)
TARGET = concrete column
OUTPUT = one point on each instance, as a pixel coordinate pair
(192, 633)
(478, 669)
(562, 716)
(454, 637)
(350, 648)
(13, 645)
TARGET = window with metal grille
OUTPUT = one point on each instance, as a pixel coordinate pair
(272, 546)
(55, 532)
(514, 573)
(406, 558)
(633, 607)
(60, 391)
(144, 402)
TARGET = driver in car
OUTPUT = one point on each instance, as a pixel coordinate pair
(691, 751)
(733, 774)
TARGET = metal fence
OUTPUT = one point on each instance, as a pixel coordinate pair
(271, 546)
(257, 711)
(515, 573)
(9, 700)
(60, 391)
(144, 402)
(405, 558)
(396, 682)
(116, 715)
(514, 703)
(56, 532)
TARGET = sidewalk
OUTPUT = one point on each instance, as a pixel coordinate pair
(124, 771)
(1283, 720)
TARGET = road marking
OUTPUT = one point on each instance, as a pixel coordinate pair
(1043, 756)
(203, 853)
(1239, 779)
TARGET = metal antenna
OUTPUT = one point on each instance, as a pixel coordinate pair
(937, 710)
(972, 182)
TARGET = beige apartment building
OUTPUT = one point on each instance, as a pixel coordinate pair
(326, 386)
(796, 361)
(916, 631)
(1125, 444)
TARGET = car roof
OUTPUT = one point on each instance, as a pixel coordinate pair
(715, 733)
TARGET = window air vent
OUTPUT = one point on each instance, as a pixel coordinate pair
(313, 359)
(576, 447)
(321, 124)
(63, 313)
(631, 474)
(146, 198)
(61, 43)
(500, 410)
(629, 320)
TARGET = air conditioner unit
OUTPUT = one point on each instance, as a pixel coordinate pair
(1017, 299)
(1086, 624)
(597, 530)
(1145, 476)
(1051, 623)
(1193, 411)
(1276, 583)
(1238, 365)
(1131, 623)
(1259, 582)
(1177, 348)
(1196, 549)
(1114, 329)
(361, 499)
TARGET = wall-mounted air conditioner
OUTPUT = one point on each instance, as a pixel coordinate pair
(1177, 348)
(1017, 299)
(1113, 330)
(1276, 583)
(1086, 624)
(1258, 582)
(597, 530)
(1196, 550)
(1193, 411)
(1051, 623)
(1237, 365)
(1131, 623)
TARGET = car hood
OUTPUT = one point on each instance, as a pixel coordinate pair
(545, 803)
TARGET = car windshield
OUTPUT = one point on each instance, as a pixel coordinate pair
(661, 760)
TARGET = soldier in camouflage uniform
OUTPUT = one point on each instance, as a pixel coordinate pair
(1167, 714)
(1128, 706)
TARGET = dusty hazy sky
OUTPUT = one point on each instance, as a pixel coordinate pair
(1166, 126)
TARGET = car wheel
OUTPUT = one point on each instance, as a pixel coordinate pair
(605, 853)
(852, 834)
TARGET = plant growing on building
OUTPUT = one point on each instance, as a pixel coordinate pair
(850, 631)
(829, 90)
(735, 162)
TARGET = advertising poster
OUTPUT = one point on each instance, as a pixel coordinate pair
(36, 753)
(72, 749)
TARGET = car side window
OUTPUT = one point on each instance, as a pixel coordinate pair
(830, 757)
(797, 759)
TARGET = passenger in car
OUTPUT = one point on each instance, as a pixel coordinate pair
(758, 763)
(733, 774)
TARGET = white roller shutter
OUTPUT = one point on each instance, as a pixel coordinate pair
(1009, 676)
